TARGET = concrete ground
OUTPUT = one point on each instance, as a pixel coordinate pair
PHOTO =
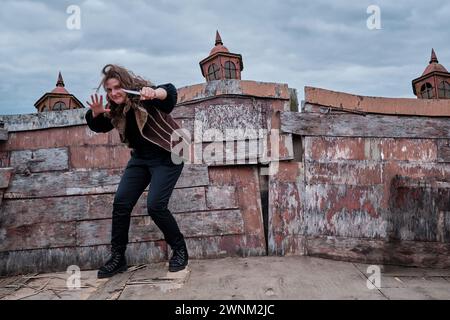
(267, 278)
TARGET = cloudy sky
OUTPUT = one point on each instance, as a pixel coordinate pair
(322, 43)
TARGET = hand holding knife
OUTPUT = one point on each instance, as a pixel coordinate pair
(146, 93)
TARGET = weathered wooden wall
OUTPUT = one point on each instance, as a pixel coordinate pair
(348, 183)
(371, 187)
(59, 178)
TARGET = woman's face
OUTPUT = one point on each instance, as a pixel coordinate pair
(114, 91)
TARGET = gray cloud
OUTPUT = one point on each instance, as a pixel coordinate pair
(317, 43)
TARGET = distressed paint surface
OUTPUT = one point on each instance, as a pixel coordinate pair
(82, 182)
(420, 210)
(406, 253)
(216, 88)
(40, 160)
(44, 120)
(40, 235)
(92, 257)
(372, 188)
(393, 106)
(350, 125)
(100, 157)
(343, 211)
(221, 197)
(219, 210)
(246, 119)
(55, 138)
(358, 148)
(348, 173)
(142, 228)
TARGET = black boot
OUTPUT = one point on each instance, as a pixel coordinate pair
(179, 259)
(117, 263)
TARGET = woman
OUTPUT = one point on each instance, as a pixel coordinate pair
(144, 124)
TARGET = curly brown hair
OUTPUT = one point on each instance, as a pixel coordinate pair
(127, 80)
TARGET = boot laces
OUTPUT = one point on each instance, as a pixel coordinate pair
(179, 255)
(113, 262)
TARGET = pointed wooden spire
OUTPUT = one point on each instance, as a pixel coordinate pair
(60, 82)
(218, 38)
(433, 57)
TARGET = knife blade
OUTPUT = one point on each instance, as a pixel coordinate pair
(132, 92)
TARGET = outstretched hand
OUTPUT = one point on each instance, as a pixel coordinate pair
(96, 105)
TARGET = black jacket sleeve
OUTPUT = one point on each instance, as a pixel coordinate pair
(98, 124)
(168, 103)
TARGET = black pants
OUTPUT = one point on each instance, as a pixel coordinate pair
(162, 174)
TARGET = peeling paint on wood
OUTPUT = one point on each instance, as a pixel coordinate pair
(40, 160)
(58, 259)
(44, 120)
(82, 182)
(221, 197)
(348, 173)
(142, 228)
(41, 235)
(228, 119)
(348, 125)
(406, 253)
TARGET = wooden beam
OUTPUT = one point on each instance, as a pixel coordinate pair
(351, 125)
(82, 182)
(393, 106)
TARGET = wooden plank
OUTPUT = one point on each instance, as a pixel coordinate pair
(112, 288)
(75, 182)
(42, 235)
(350, 125)
(40, 160)
(326, 149)
(350, 172)
(44, 120)
(232, 245)
(182, 200)
(394, 106)
(142, 228)
(15, 213)
(406, 253)
(227, 153)
(84, 182)
(233, 87)
(18, 212)
(224, 222)
(193, 176)
(9, 285)
(250, 151)
(443, 150)
(87, 258)
(234, 122)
